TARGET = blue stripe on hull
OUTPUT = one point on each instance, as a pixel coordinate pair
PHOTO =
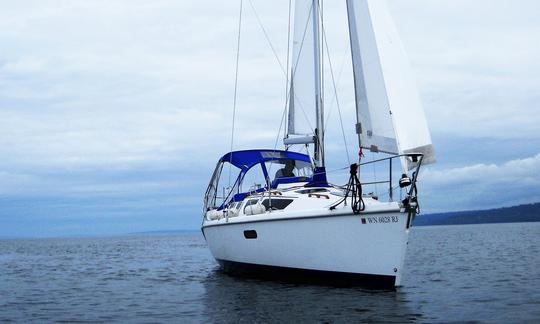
(307, 276)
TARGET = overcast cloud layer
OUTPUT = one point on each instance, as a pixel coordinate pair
(113, 114)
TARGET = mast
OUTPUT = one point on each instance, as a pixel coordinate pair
(318, 66)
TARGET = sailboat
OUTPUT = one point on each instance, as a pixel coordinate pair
(295, 224)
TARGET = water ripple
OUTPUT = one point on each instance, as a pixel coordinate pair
(475, 273)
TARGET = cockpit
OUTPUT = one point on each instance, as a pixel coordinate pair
(241, 173)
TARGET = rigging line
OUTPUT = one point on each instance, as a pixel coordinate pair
(321, 62)
(339, 169)
(295, 62)
(320, 134)
(280, 126)
(281, 123)
(286, 129)
(325, 40)
(285, 71)
(235, 85)
(340, 74)
(303, 111)
(375, 174)
(287, 79)
(267, 38)
(295, 66)
(276, 55)
(277, 137)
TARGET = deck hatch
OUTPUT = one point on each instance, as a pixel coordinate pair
(277, 203)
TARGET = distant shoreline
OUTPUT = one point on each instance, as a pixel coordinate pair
(515, 214)
(165, 232)
(79, 236)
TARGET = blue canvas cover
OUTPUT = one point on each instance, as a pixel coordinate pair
(244, 160)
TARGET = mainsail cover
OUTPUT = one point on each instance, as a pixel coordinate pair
(389, 112)
(304, 96)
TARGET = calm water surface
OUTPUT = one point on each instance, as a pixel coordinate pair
(485, 273)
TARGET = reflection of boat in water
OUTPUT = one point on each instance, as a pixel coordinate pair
(256, 301)
(292, 222)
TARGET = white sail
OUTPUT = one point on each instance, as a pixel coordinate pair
(305, 91)
(389, 112)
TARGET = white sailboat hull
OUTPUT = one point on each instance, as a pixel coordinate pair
(366, 247)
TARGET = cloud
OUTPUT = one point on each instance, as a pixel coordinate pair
(524, 170)
(477, 64)
(132, 99)
(483, 186)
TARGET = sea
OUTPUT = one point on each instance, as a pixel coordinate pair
(461, 273)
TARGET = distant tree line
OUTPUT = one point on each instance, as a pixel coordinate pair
(515, 214)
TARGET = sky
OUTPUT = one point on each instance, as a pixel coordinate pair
(114, 113)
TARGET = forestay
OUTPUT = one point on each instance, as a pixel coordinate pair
(389, 112)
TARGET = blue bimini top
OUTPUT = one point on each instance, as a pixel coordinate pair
(244, 160)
